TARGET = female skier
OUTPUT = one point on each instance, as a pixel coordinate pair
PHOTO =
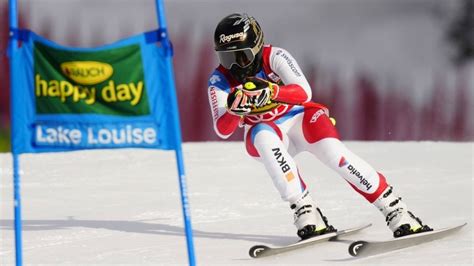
(262, 88)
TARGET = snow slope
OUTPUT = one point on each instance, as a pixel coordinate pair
(122, 206)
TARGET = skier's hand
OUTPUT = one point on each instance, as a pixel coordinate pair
(260, 91)
(238, 103)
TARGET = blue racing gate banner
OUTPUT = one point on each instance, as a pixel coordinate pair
(115, 96)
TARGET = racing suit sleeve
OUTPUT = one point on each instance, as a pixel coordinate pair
(296, 89)
(224, 122)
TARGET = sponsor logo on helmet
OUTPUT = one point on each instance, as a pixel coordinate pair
(87, 72)
(228, 38)
(243, 18)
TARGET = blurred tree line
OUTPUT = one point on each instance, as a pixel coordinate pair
(461, 33)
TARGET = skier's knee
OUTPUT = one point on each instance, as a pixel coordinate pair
(257, 129)
(317, 125)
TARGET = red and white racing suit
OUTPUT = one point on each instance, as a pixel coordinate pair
(276, 136)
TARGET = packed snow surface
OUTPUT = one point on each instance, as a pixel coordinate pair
(123, 206)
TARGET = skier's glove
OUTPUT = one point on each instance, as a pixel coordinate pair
(260, 92)
(238, 103)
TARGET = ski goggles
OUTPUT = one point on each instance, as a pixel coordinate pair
(242, 57)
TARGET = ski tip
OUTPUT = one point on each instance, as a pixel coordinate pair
(257, 251)
(357, 247)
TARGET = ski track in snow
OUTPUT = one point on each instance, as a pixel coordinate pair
(123, 206)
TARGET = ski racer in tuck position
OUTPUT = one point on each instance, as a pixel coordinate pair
(261, 88)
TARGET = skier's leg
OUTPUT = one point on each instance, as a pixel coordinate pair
(266, 143)
(358, 173)
(318, 135)
(323, 141)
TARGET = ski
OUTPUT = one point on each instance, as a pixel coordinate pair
(363, 248)
(259, 251)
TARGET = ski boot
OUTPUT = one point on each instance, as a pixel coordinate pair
(399, 219)
(308, 219)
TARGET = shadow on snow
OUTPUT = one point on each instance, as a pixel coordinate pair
(142, 227)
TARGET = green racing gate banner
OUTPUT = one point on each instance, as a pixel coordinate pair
(114, 96)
